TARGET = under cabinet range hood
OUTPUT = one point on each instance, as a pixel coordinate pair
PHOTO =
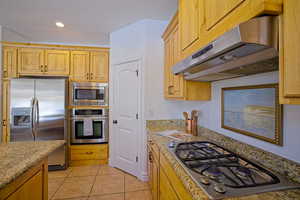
(249, 48)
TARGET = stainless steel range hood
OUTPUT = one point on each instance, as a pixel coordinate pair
(249, 48)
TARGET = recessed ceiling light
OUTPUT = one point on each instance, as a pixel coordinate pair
(60, 24)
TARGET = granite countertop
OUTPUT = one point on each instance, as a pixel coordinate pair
(196, 192)
(17, 157)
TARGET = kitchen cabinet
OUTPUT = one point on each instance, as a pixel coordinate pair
(5, 110)
(189, 21)
(57, 62)
(175, 87)
(289, 53)
(32, 185)
(30, 61)
(80, 63)
(89, 66)
(216, 17)
(216, 10)
(9, 58)
(88, 154)
(34, 61)
(99, 66)
(164, 183)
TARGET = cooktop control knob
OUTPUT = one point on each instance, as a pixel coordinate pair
(172, 144)
(204, 180)
(220, 188)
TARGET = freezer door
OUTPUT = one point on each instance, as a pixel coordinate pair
(50, 94)
(21, 96)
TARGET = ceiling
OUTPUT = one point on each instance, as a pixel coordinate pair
(86, 21)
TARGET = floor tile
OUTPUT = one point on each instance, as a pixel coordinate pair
(108, 170)
(75, 187)
(59, 173)
(53, 185)
(138, 195)
(120, 196)
(84, 171)
(133, 184)
(108, 184)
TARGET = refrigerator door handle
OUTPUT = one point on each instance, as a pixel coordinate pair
(37, 112)
(32, 118)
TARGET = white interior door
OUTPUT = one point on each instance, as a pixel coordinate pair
(125, 115)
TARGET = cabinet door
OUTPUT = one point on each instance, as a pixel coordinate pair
(31, 61)
(57, 62)
(155, 180)
(290, 60)
(31, 190)
(216, 10)
(166, 192)
(178, 81)
(80, 64)
(5, 110)
(9, 62)
(99, 66)
(168, 63)
(189, 22)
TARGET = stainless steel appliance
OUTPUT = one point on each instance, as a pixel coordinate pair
(249, 48)
(223, 174)
(89, 126)
(91, 94)
(37, 110)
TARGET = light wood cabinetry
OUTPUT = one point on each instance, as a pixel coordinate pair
(164, 183)
(216, 10)
(289, 53)
(32, 185)
(217, 17)
(34, 61)
(30, 61)
(5, 110)
(80, 63)
(189, 21)
(88, 154)
(57, 62)
(9, 62)
(175, 87)
(89, 66)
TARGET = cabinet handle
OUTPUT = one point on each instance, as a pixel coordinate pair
(170, 90)
(92, 76)
(46, 68)
(150, 157)
(4, 122)
(87, 76)
(42, 70)
(89, 153)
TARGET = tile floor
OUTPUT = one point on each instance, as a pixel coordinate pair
(96, 183)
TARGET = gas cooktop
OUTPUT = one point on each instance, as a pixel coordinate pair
(222, 173)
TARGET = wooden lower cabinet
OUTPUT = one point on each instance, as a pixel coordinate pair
(164, 183)
(32, 185)
(88, 154)
(166, 191)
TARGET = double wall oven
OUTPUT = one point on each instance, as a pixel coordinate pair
(89, 126)
(89, 94)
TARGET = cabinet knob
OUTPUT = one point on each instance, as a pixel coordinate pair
(4, 122)
(46, 68)
(92, 75)
(42, 68)
(87, 76)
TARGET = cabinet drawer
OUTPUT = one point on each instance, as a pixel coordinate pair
(89, 152)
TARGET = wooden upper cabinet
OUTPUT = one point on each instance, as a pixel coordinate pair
(9, 62)
(215, 10)
(189, 21)
(80, 64)
(289, 56)
(30, 61)
(57, 62)
(99, 66)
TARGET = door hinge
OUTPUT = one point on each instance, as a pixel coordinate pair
(136, 159)
(137, 116)
(137, 72)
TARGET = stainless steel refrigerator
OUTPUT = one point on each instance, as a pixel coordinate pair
(37, 110)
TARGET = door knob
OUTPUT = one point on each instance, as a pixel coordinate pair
(115, 121)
